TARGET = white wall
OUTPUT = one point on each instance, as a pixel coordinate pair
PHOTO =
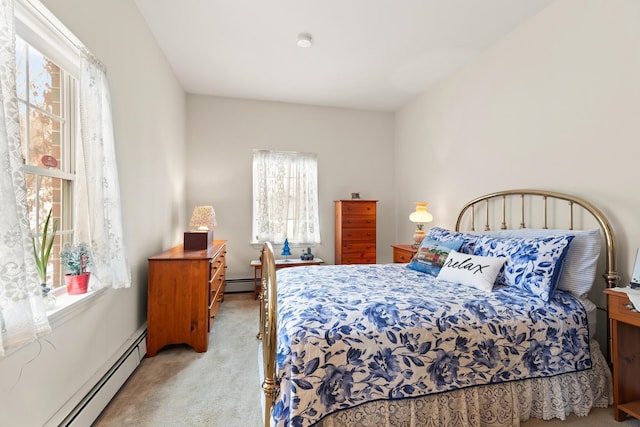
(553, 106)
(355, 151)
(149, 114)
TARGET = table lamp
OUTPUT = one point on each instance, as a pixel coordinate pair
(202, 222)
(420, 217)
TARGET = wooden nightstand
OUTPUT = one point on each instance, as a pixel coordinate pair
(625, 355)
(403, 253)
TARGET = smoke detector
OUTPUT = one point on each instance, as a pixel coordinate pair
(304, 40)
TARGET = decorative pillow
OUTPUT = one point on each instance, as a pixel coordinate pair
(432, 254)
(579, 270)
(471, 270)
(444, 235)
(532, 265)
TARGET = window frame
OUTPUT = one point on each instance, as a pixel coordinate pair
(38, 27)
(67, 118)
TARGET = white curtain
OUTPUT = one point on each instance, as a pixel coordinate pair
(285, 187)
(22, 313)
(98, 212)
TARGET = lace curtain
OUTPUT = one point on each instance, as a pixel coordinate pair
(98, 212)
(22, 314)
(285, 190)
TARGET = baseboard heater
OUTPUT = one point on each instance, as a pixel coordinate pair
(238, 285)
(90, 407)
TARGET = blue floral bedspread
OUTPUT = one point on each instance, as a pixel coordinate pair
(351, 334)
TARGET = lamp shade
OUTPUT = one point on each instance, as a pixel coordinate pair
(421, 215)
(203, 218)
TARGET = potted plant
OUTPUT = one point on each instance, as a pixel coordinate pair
(75, 260)
(42, 251)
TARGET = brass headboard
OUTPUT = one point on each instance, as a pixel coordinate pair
(498, 206)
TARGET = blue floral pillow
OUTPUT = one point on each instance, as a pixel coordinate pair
(533, 264)
(444, 235)
(432, 254)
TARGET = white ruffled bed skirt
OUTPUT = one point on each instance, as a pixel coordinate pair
(497, 405)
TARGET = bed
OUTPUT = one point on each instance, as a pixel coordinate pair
(484, 327)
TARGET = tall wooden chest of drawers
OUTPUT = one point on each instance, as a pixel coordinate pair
(184, 292)
(355, 222)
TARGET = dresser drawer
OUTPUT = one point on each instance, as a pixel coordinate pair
(358, 248)
(216, 285)
(350, 234)
(359, 208)
(217, 264)
(359, 221)
(365, 258)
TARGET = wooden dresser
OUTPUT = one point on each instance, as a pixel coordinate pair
(184, 293)
(355, 222)
(625, 355)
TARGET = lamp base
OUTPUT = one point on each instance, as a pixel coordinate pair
(197, 240)
(418, 236)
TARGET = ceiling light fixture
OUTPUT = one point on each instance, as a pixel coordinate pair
(305, 40)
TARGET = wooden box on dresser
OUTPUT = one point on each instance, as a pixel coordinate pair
(184, 293)
(355, 222)
(625, 355)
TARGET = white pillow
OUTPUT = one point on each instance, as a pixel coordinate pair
(579, 270)
(471, 270)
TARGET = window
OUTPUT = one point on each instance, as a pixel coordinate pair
(285, 197)
(47, 105)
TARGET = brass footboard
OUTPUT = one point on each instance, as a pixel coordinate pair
(268, 329)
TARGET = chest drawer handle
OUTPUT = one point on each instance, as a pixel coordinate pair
(631, 308)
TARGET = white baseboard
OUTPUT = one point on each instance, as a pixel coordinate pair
(105, 387)
(238, 285)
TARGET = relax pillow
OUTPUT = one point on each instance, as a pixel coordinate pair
(444, 235)
(471, 270)
(581, 261)
(432, 254)
(533, 264)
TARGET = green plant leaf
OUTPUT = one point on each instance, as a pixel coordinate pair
(42, 251)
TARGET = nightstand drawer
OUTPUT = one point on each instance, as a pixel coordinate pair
(403, 253)
(620, 308)
(402, 257)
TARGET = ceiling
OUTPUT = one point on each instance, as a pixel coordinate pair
(366, 54)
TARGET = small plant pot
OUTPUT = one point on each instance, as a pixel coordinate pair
(77, 284)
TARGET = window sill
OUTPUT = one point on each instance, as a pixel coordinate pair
(67, 306)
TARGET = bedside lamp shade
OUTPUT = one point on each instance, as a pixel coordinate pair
(202, 222)
(203, 218)
(420, 217)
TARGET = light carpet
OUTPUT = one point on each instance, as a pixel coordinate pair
(181, 388)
